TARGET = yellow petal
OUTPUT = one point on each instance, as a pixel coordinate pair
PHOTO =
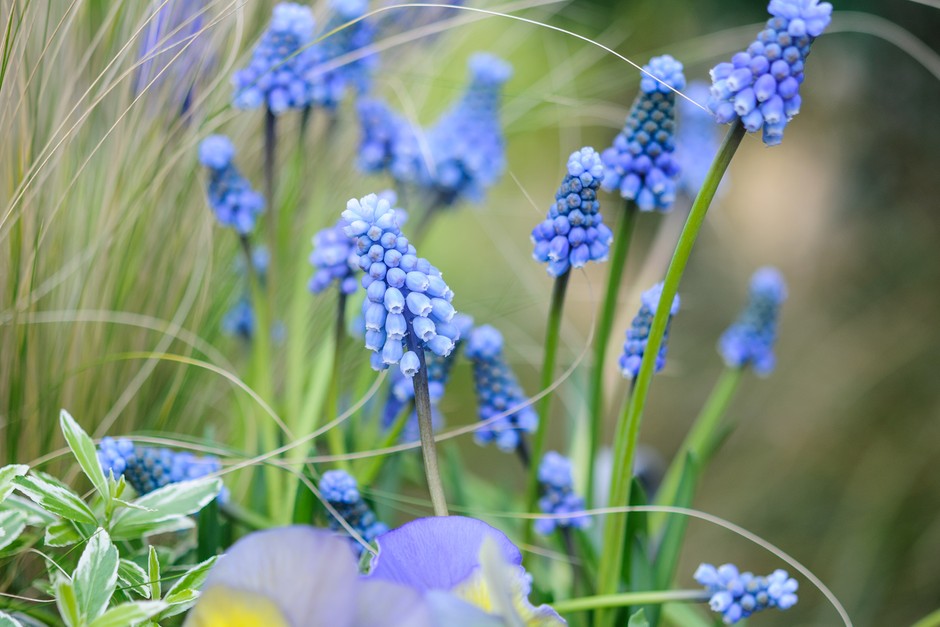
(225, 607)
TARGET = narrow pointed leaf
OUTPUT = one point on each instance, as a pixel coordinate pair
(6, 478)
(55, 499)
(85, 452)
(133, 578)
(153, 568)
(96, 575)
(12, 524)
(129, 614)
(165, 504)
(62, 533)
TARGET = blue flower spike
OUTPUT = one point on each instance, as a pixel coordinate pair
(383, 133)
(737, 595)
(334, 259)
(498, 391)
(231, 196)
(761, 86)
(637, 335)
(750, 340)
(574, 231)
(408, 304)
(278, 75)
(640, 164)
(341, 491)
(558, 495)
(146, 469)
(329, 84)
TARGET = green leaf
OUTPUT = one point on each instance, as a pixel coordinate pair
(55, 498)
(12, 524)
(95, 576)
(670, 545)
(153, 566)
(638, 620)
(185, 591)
(67, 602)
(62, 533)
(133, 578)
(35, 515)
(6, 478)
(85, 452)
(163, 505)
(128, 614)
(8, 621)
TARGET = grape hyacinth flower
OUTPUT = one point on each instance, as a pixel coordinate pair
(737, 595)
(239, 321)
(341, 491)
(431, 571)
(761, 86)
(466, 144)
(278, 76)
(697, 140)
(383, 131)
(231, 196)
(574, 231)
(635, 345)
(640, 163)
(329, 85)
(334, 259)
(174, 54)
(408, 304)
(558, 495)
(750, 340)
(497, 392)
(147, 469)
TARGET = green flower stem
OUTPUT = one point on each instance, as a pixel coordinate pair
(629, 599)
(605, 324)
(545, 403)
(426, 429)
(270, 155)
(261, 367)
(628, 427)
(931, 620)
(700, 441)
(336, 436)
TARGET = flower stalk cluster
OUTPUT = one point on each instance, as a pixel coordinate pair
(736, 595)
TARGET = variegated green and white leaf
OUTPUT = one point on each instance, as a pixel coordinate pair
(133, 578)
(96, 575)
(6, 478)
(185, 591)
(12, 524)
(85, 452)
(165, 504)
(128, 614)
(67, 602)
(55, 498)
(62, 533)
(36, 516)
(8, 621)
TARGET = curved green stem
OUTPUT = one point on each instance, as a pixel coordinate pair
(700, 441)
(628, 428)
(544, 407)
(629, 598)
(426, 429)
(605, 324)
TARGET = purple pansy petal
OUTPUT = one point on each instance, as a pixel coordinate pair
(390, 605)
(437, 553)
(449, 610)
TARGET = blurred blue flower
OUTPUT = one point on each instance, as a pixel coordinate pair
(574, 232)
(334, 259)
(383, 133)
(451, 571)
(750, 340)
(498, 391)
(239, 321)
(637, 335)
(558, 495)
(231, 197)
(761, 86)
(738, 595)
(175, 54)
(640, 163)
(340, 490)
(145, 469)
(697, 140)
(278, 75)
(407, 301)
(329, 85)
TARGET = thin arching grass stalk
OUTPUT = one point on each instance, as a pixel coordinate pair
(628, 599)
(544, 407)
(628, 427)
(605, 324)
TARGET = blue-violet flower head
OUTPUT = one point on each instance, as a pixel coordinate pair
(737, 595)
(329, 81)
(761, 86)
(574, 231)
(502, 403)
(278, 75)
(637, 335)
(341, 491)
(408, 304)
(640, 164)
(750, 340)
(558, 495)
(231, 196)
(147, 469)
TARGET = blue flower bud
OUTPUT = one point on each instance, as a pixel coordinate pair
(341, 491)
(634, 346)
(750, 340)
(558, 495)
(737, 595)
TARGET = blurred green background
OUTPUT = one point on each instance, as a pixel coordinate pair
(108, 250)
